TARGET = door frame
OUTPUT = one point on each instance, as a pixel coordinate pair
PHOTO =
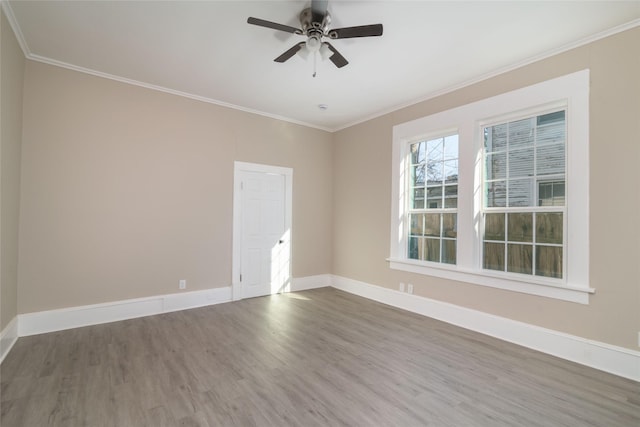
(238, 169)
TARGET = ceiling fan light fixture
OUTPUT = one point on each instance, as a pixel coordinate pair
(325, 52)
(313, 43)
(304, 53)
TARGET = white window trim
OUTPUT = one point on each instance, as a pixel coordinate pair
(570, 91)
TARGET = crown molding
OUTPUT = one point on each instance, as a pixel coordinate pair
(8, 12)
(158, 88)
(547, 54)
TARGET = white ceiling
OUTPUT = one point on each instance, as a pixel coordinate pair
(206, 50)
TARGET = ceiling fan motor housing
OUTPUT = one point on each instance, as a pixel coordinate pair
(311, 27)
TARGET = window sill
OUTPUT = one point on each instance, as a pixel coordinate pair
(550, 290)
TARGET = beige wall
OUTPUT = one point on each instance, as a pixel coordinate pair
(126, 190)
(362, 189)
(11, 76)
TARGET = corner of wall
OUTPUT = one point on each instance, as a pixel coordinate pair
(8, 338)
(11, 87)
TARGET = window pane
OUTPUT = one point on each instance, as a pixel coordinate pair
(417, 224)
(432, 250)
(495, 138)
(493, 256)
(448, 251)
(551, 118)
(520, 259)
(494, 226)
(496, 166)
(551, 193)
(432, 225)
(434, 172)
(435, 149)
(451, 196)
(558, 190)
(545, 193)
(549, 228)
(415, 248)
(451, 203)
(521, 192)
(451, 147)
(521, 133)
(417, 176)
(551, 128)
(449, 225)
(549, 261)
(496, 194)
(520, 227)
(521, 163)
(451, 191)
(418, 152)
(417, 199)
(451, 171)
(434, 198)
(550, 159)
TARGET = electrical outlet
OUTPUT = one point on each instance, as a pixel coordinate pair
(409, 288)
(401, 287)
(183, 284)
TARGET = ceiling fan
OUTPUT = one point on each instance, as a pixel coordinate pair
(315, 24)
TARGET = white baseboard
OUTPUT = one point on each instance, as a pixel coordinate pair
(310, 282)
(8, 337)
(616, 360)
(75, 317)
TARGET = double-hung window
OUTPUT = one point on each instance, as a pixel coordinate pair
(495, 193)
(523, 195)
(433, 193)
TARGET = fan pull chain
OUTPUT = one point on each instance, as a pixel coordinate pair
(315, 55)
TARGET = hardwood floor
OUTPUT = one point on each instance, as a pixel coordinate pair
(314, 358)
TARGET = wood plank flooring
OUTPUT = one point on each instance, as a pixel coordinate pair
(316, 358)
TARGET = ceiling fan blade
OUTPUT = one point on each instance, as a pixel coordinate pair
(273, 25)
(337, 59)
(318, 10)
(361, 31)
(288, 54)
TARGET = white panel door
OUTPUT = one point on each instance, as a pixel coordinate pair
(265, 248)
